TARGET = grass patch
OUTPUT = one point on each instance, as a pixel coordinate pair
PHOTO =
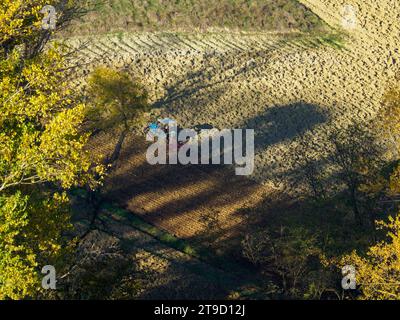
(161, 235)
(195, 15)
(316, 40)
(335, 41)
(194, 250)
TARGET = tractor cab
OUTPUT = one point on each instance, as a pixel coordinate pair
(166, 125)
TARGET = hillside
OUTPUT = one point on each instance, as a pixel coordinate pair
(288, 89)
(195, 15)
(94, 204)
(295, 90)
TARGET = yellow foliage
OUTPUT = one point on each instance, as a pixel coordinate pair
(40, 138)
(21, 20)
(116, 98)
(40, 142)
(378, 273)
(29, 225)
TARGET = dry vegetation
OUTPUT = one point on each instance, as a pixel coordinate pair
(196, 15)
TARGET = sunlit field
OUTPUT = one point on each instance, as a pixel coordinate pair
(316, 81)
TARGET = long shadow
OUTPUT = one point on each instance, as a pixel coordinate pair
(281, 123)
(276, 124)
(143, 178)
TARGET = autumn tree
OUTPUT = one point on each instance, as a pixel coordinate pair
(117, 101)
(41, 148)
(378, 271)
(21, 22)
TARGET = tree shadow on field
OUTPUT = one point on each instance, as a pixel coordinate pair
(281, 123)
(166, 194)
(175, 197)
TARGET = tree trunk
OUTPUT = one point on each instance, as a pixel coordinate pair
(356, 210)
(117, 150)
